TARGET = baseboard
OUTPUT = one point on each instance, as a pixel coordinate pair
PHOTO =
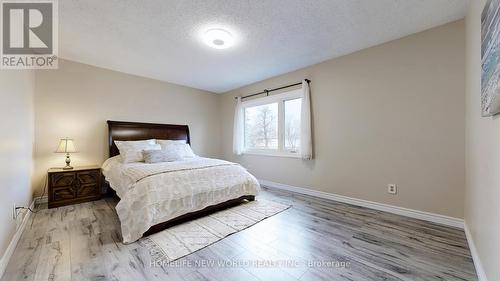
(432, 217)
(41, 200)
(481, 274)
(15, 239)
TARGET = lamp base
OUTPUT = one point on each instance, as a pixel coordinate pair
(68, 160)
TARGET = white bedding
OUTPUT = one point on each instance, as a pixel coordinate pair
(155, 193)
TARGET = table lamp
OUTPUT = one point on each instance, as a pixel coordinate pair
(67, 146)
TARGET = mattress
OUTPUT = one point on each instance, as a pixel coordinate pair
(154, 193)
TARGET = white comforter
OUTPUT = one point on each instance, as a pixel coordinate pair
(155, 193)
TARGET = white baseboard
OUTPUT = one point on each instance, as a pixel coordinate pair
(481, 274)
(15, 239)
(432, 217)
(42, 200)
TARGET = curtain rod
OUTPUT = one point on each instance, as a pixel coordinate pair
(266, 91)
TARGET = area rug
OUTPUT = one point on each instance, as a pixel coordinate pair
(183, 239)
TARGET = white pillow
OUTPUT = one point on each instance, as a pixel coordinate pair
(185, 150)
(182, 148)
(131, 151)
(158, 156)
(167, 142)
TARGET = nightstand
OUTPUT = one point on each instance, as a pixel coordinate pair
(81, 184)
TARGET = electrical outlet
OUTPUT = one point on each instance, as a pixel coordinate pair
(14, 212)
(392, 188)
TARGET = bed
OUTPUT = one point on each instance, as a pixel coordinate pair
(156, 196)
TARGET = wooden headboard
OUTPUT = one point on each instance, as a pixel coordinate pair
(127, 131)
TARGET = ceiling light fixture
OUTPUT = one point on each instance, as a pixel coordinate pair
(218, 38)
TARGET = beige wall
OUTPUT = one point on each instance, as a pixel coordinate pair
(16, 147)
(482, 194)
(393, 113)
(77, 99)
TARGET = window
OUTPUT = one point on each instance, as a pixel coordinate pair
(272, 124)
(261, 126)
(292, 125)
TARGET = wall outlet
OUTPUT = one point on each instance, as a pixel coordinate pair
(392, 189)
(14, 212)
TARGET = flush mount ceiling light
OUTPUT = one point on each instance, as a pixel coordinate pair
(218, 38)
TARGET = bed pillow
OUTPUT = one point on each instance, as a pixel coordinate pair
(158, 156)
(185, 150)
(131, 151)
(180, 146)
(167, 142)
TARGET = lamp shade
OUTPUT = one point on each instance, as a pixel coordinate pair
(66, 146)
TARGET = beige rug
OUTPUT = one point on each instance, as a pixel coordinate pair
(184, 239)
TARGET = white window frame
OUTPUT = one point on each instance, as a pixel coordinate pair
(280, 99)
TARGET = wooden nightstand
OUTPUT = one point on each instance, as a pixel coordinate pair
(81, 184)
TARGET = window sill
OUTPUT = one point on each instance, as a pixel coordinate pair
(272, 154)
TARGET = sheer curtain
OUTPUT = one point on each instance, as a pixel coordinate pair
(238, 129)
(305, 123)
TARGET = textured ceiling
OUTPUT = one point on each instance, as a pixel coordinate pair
(160, 39)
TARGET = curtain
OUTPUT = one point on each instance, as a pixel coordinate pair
(305, 125)
(238, 129)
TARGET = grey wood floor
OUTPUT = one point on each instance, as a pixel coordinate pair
(316, 239)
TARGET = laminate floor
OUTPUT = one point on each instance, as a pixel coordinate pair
(315, 239)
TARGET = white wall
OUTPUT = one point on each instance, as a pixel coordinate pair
(482, 193)
(393, 113)
(77, 99)
(16, 147)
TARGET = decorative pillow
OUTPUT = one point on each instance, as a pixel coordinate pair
(131, 151)
(180, 146)
(157, 156)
